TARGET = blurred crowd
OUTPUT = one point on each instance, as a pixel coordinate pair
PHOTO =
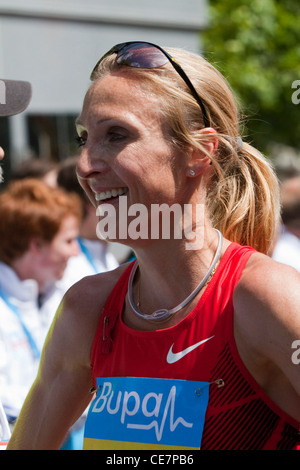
(48, 242)
(287, 244)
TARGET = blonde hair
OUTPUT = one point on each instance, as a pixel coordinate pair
(243, 193)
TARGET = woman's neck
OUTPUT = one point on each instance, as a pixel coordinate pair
(24, 269)
(168, 275)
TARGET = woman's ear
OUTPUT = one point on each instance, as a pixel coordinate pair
(35, 245)
(211, 143)
(199, 160)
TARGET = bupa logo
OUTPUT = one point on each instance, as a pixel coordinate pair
(129, 405)
(2, 92)
(150, 411)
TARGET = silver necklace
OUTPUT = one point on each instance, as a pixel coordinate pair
(163, 313)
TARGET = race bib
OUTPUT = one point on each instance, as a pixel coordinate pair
(146, 413)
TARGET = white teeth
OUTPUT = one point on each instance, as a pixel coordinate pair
(108, 194)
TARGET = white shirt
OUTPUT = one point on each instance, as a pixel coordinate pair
(4, 429)
(287, 249)
(93, 258)
(18, 364)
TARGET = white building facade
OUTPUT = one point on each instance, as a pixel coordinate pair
(54, 44)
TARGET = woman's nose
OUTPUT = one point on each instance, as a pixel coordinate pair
(74, 248)
(90, 161)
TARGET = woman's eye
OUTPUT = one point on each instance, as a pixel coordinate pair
(116, 135)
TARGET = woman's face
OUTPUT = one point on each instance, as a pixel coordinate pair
(53, 257)
(125, 146)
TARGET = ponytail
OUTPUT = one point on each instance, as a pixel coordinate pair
(243, 198)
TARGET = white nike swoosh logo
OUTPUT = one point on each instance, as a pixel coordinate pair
(174, 357)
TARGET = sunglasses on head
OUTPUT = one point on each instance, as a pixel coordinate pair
(150, 56)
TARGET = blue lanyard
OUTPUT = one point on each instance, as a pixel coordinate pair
(88, 255)
(14, 309)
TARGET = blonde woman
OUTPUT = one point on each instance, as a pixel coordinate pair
(189, 346)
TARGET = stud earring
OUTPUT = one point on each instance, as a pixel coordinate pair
(192, 172)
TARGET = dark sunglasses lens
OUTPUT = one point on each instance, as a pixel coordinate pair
(141, 55)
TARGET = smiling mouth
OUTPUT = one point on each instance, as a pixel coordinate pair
(109, 194)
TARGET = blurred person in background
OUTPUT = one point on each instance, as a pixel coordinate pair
(36, 168)
(15, 97)
(287, 246)
(94, 256)
(38, 234)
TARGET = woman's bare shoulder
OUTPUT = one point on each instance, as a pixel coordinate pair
(267, 303)
(267, 281)
(90, 294)
(79, 313)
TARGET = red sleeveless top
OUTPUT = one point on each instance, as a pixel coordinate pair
(239, 415)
